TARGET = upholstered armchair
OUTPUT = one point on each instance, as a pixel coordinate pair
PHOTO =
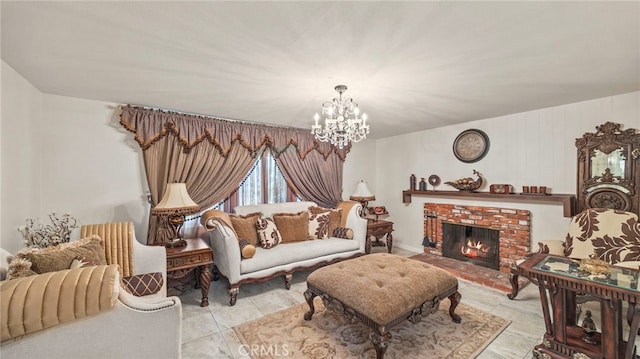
(133, 257)
(606, 234)
(85, 312)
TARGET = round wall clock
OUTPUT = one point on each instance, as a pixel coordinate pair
(471, 145)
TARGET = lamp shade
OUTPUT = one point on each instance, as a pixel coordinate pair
(362, 193)
(176, 199)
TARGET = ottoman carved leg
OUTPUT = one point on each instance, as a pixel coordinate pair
(380, 342)
(308, 296)
(455, 300)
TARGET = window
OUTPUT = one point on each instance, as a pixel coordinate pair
(264, 184)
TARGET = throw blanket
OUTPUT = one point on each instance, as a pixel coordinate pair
(41, 301)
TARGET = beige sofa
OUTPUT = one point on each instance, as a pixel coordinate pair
(283, 259)
(130, 327)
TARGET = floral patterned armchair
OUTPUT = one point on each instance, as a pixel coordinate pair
(606, 234)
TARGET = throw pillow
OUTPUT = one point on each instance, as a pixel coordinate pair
(56, 258)
(341, 232)
(294, 227)
(245, 226)
(247, 250)
(143, 284)
(335, 216)
(268, 233)
(319, 225)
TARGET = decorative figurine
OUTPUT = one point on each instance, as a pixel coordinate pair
(589, 328)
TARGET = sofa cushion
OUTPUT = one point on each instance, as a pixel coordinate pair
(291, 253)
(612, 235)
(56, 258)
(268, 233)
(319, 225)
(245, 226)
(342, 232)
(247, 250)
(143, 284)
(293, 227)
(335, 216)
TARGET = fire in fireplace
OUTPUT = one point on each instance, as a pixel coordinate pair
(479, 245)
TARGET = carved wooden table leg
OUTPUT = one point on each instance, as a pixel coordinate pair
(455, 300)
(308, 296)
(205, 282)
(367, 245)
(380, 342)
(515, 287)
(287, 281)
(389, 242)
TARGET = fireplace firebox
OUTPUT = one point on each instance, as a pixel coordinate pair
(478, 245)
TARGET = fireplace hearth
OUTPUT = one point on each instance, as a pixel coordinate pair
(478, 245)
(513, 240)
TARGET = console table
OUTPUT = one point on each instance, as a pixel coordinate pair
(378, 228)
(195, 256)
(558, 280)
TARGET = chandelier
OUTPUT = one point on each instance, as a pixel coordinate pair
(341, 124)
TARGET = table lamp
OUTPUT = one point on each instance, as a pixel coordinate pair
(175, 204)
(362, 195)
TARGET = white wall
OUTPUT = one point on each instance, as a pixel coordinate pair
(91, 166)
(359, 165)
(530, 148)
(20, 187)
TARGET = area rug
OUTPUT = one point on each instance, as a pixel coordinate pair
(329, 335)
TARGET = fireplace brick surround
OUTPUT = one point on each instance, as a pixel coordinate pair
(514, 226)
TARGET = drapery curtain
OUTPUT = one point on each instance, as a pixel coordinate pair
(213, 155)
(314, 179)
(208, 176)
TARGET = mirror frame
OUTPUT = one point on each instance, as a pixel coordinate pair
(607, 190)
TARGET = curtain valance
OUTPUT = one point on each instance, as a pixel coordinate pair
(150, 125)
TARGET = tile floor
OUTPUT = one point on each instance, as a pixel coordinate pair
(207, 332)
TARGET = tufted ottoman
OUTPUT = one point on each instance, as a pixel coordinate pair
(382, 290)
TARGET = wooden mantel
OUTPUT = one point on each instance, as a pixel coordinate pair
(567, 200)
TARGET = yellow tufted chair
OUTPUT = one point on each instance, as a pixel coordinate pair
(133, 257)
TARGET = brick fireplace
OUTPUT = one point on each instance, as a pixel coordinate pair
(513, 225)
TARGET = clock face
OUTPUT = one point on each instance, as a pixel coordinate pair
(471, 146)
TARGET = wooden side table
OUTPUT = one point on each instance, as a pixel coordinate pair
(195, 256)
(377, 229)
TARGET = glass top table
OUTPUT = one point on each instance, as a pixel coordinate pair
(618, 277)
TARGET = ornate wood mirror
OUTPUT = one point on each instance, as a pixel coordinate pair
(608, 175)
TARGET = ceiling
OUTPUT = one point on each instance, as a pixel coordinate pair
(410, 65)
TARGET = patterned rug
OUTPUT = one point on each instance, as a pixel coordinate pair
(328, 335)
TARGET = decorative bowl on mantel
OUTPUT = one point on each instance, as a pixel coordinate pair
(467, 184)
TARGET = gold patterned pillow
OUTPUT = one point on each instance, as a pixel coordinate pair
(245, 226)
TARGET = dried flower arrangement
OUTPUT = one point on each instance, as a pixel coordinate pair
(38, 235)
